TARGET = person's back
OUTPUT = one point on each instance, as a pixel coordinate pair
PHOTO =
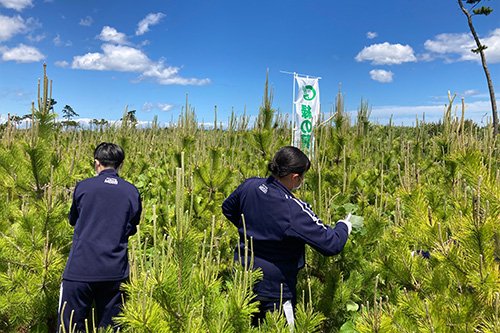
(278, 226)
(105, 211)
(104, 217)
(260, 201)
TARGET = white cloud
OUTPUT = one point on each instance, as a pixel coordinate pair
(470, 93)
(22, 53)
(386, 54)
(86, 22)
(493, 43)
(62, 63)
(479, 111)
(32, 24)
(371, 35)
(411, 110)
(129, 59)
(36, 38)
(457, 47)
(148, 107)
(449, 43)
(381, 75)
(149, 20)
(169, 75)
(109, 34)
(59, 42)
(10, 26)
(16, 4)
(165, 107)
(426, 57)
(452, 47)
(114, 57)
(88, 122)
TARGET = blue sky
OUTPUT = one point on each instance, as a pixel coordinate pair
(400, 56)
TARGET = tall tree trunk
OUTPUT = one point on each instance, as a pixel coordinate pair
(480, 49)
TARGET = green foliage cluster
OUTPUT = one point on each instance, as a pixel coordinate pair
(424, 254)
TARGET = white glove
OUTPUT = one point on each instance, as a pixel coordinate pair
(347, 222)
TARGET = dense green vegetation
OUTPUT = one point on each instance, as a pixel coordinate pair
(431, 188)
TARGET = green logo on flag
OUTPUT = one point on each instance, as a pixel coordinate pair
(306, 140)
(306, 126)
(307, 91)
(306, 111)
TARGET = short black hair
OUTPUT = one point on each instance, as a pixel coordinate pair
(288, 160)
(109, 154)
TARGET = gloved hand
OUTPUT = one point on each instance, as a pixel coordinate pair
(347, 222)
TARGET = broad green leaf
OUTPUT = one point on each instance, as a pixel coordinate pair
(348, 327)
(357, 222)
(350, 208)
(352, 306)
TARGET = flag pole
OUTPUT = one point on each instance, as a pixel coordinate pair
(304, 75)
(294, 117)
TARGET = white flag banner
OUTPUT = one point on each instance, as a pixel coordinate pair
(307, 111)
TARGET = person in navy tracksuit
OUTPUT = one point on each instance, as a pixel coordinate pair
(105, 211)
(280, 225)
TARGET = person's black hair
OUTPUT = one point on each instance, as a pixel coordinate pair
(109, 154)
(288, 160)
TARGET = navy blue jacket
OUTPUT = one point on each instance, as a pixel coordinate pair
(280, 225)
(105, 212)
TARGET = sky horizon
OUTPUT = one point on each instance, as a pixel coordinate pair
(400, 56)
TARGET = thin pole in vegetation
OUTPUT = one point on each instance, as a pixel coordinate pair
(480, 49)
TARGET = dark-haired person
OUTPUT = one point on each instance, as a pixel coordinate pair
(280, 225)
(105, 212)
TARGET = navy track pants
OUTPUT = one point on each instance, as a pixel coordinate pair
(77, 299)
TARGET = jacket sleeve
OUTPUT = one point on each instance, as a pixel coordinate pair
(73, 211)
(231, 207)
(136, 218)
(308, 227)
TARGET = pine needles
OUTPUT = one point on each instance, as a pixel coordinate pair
(426, 257)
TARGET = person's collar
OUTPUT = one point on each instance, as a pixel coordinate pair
(109, 171)
(271, 179)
